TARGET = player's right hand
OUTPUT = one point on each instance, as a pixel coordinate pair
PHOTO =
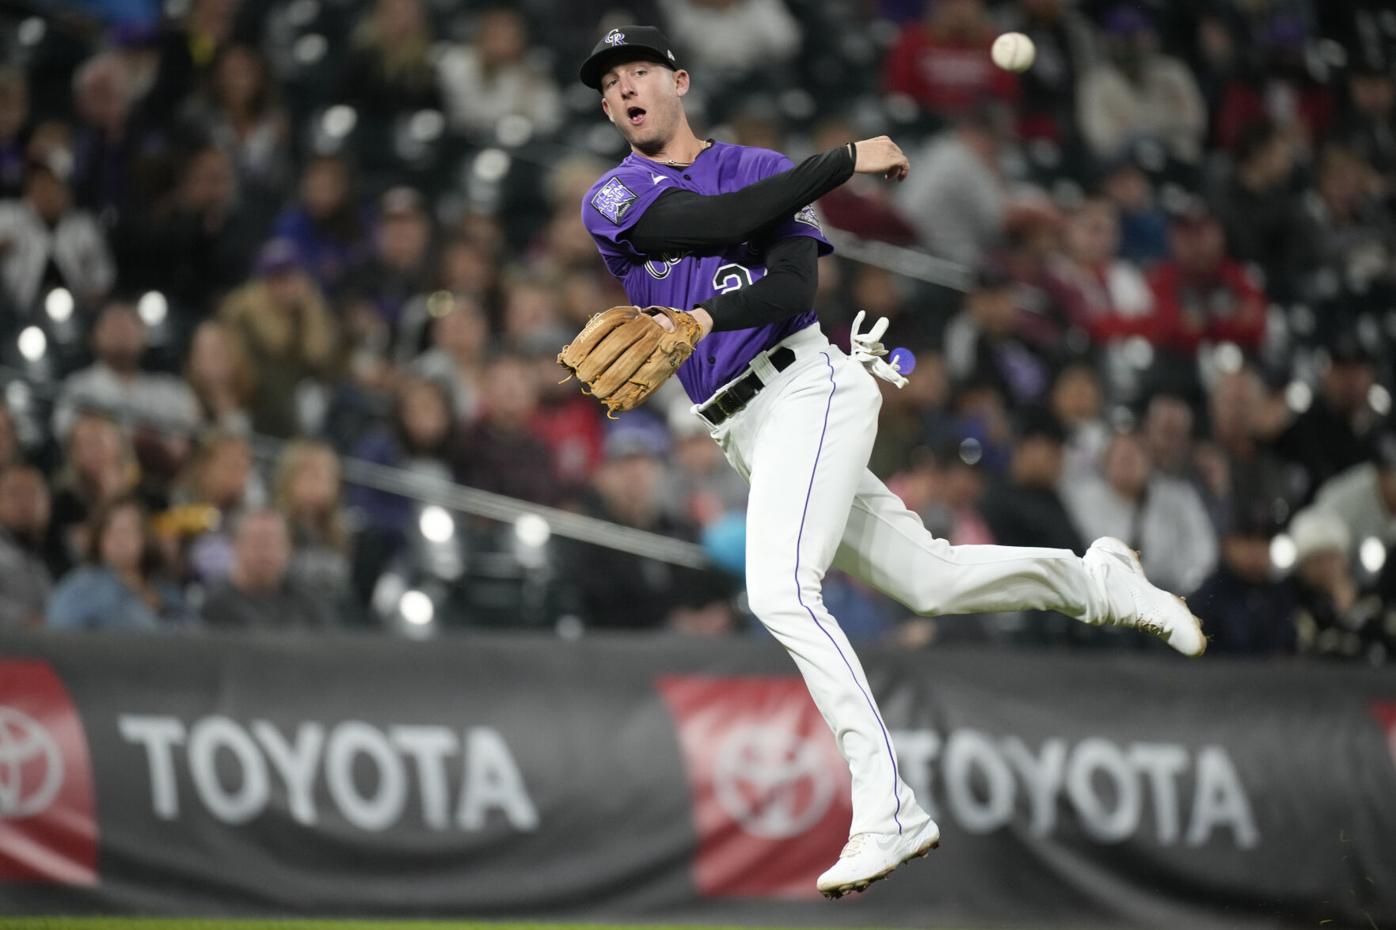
(882, 156)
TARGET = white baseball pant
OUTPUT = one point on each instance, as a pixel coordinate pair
(803, 445)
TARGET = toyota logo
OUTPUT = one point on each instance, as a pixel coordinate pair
(31, 767)
(772, 781)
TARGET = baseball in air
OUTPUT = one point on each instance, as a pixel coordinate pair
(1013, 51)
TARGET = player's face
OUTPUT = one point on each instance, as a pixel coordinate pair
(642, 100)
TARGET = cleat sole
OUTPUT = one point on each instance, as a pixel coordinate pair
(862, 885)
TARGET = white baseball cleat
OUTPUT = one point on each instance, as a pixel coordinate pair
(869, 857)
(1134, 602)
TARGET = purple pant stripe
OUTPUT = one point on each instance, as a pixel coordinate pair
(887, 740)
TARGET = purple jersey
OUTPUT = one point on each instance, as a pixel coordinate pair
(614, 205)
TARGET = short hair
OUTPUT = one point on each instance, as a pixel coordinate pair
(1253, 138)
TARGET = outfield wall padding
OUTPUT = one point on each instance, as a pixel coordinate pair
(653, 778)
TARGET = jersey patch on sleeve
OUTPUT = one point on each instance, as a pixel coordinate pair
(613, 199)
(807, 216)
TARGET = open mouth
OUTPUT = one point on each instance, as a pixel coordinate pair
(636, 115)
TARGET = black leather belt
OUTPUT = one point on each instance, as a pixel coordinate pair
(727, 403)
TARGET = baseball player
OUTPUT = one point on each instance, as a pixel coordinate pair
(720, 244)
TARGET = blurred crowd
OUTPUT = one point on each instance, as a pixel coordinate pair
(246, 245)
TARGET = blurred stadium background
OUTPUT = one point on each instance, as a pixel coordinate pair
(299, 531)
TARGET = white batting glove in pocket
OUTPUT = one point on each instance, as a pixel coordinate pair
(869, 351)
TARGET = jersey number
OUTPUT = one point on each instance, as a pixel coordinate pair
(730, 277)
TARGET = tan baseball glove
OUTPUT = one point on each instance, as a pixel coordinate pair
(624, 354)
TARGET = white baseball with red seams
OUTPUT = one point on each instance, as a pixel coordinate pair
(1013, 51)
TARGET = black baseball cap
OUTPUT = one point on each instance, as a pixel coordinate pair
(626, 43)
(1037, 422)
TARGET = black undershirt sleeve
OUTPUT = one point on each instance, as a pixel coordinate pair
(787, 288)
(682, 221)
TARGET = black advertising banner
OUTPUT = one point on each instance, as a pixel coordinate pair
(675, 779)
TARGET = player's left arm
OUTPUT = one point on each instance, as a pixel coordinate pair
(787, 288)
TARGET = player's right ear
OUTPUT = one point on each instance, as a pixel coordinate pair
(606, 108)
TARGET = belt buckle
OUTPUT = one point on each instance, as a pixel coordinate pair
(736, 403)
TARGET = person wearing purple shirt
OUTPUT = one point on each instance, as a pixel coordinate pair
(726, 233)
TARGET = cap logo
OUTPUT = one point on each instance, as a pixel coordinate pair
(614, 37)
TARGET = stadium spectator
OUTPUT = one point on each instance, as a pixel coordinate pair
(980, 415)
(1244, 611)
(982, 343)
(732, 43)
(25, 580)
(465, 268)
(46, 241)
(398, 267)
(222, 377)
(1024, 509)
(98, 467)
(1216, 48)
(1143, 223)
(1364, 496)
(878, 292)
(1066, 48)
(1236, 464)
(104, 146)
(493, 77)
(911, 418)
(115, 384)
(259, 594)
(956, 198)
(187, 52)
(1279, 84)
(118, 587)
(421, 438)
(1136, 93)
(1263, 217)
(308, 493)
(1077, 400)
(1101, 294)
(325, 224)
(581, 293)
(501, 452)
(617, 591)
(568, 421)
(945, 485)
(531, 319)
(245, 120)
(388, 76)
(1334, 433)
(11, 453)
(193, 244)
(283, 320)
(459, 340)
(1032, 245)
(218, 484)
(14, 127)
(1368, 121)
(1201, 295)
(1161, 517)
(1335, 618)
(700, 488)
(1355, 247)
(942, 61)
(1168, 432)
